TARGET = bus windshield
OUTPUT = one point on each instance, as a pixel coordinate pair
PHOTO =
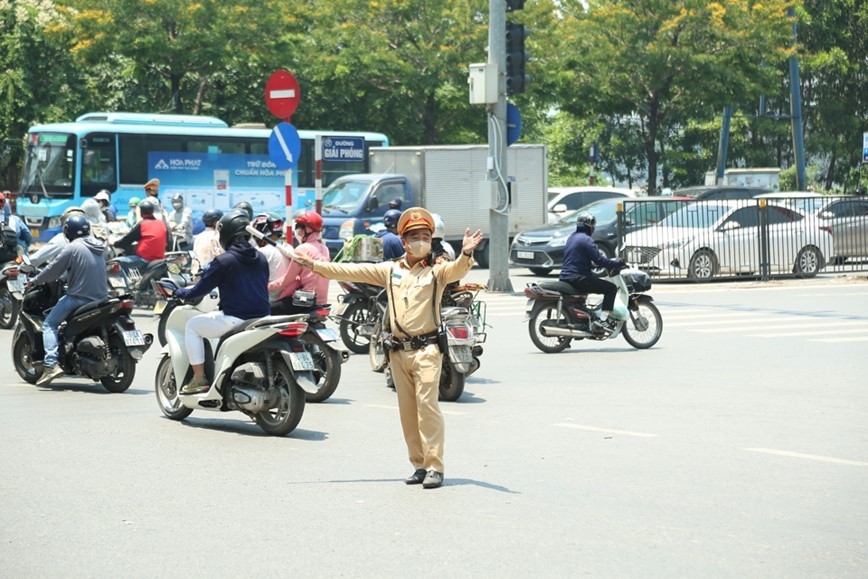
(49, 165)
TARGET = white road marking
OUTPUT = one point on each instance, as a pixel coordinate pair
(716, 323)
(808, 456)
(604, 430)
(709, 316)
(387, 407)
(821, 333)
(839, 324)
(840, 340)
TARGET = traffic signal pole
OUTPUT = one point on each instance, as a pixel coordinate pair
(498, 243)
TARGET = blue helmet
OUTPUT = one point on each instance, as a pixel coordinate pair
(391, 218)
(211, 216)
(75, 226)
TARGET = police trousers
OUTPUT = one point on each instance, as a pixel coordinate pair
(416, 374)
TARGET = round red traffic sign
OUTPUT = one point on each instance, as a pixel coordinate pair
(282, 94)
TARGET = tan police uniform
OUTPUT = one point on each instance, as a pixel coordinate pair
(416, 372)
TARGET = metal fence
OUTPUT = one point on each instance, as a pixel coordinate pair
(752, 238)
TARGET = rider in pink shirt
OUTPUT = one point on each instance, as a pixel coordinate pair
(308, 226)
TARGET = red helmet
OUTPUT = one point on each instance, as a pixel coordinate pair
(309, 219)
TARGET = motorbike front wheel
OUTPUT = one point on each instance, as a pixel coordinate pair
(167, 391)
(357, 314)
(22, 357)
(283, 419)
(451, 382)
(546, 313)
(9, 308)
(644, 326)
(328, 366)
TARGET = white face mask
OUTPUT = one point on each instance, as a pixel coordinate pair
(177, 204)
(418, 249)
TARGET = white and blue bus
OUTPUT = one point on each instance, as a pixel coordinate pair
(212, 164)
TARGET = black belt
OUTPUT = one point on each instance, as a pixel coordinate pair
(397, 344)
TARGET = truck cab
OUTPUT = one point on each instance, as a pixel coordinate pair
(353, 203)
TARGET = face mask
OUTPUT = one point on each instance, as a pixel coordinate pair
(177, 205)
(419, 249)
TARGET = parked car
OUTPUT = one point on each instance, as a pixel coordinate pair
(562, 200)
(721, 192)
(542, 249)
(805, 201)
(707, 238)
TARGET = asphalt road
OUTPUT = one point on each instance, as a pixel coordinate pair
(737, 447)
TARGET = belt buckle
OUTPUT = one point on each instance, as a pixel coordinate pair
(407, 346)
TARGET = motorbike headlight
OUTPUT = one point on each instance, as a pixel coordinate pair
(677, 244)
(347, 228)
(559, 241)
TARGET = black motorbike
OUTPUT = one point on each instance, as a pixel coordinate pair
(12, 282)
(99, 340)
(139, 282)
(357, 314)
(322, 343)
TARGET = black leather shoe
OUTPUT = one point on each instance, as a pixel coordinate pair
(416, 478)
(432, 480)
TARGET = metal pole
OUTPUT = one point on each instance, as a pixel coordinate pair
(796, 111)
(723, 145)
(498, 242)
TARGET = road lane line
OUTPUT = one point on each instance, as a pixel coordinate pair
(604, 430)
(387, 407)
(727, 322)
(821, 333)
(709, 316)
(841, 340)
(786, 327)
(808, 456)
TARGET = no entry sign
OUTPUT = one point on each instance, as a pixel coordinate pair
(282, 94)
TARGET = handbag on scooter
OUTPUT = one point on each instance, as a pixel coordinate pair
(304, 299)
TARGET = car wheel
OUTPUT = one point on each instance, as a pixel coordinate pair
(540, 271)
(808, 262)
(703, 265)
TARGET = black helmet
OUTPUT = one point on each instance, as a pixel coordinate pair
(211, 216)
(586, 219)
(233, 226)
(147, 207)
(246, 207)
(75, 226)
(391, 218)
(268, 224)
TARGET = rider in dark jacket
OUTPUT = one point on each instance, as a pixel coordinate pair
(580, 256)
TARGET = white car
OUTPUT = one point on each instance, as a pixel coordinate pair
(709, 238)
(562, 200)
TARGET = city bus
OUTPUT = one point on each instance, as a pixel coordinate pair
(210, 163)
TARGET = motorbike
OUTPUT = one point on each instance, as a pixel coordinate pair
(357, 314)
(557, 314)
(176, 265)
(262, 368)
(327, 356)
(463, 325)
(12, 281)
(98, 340)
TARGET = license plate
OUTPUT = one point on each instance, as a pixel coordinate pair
(529, 307)
(301, 361)
(117, 282)
(15, 284)
(159, 307)
(461, 355)
(339, 310)
(524, 254)
(134, 338)
(327, 334)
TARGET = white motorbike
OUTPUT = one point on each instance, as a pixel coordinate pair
(261, 368)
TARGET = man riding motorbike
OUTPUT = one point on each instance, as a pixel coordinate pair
(83, 262)
(206, 245)
(151, 235)
(241, 276)
(278, 263)
(392, 246)
(181, 222)
(580, 255)
(308, 225)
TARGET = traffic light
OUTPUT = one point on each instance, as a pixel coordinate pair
(516, 57)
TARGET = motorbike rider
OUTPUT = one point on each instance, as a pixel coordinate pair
(181, 222)
(13, 233)
(278, 263)
(104, 198)
(206, 245)
(133, 213)
(95, 216)
(392, 247)
(415, 289)
(308, 227)
(580, 256)
(83, 263)
(54, 246)
(440, 247)
(245, 207)
(241, 276)
(150, 235)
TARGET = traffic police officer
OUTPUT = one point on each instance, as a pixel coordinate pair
(415, 288)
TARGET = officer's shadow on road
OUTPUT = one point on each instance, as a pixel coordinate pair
(448, 482)
(244, 427)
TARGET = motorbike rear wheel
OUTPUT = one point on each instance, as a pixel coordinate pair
(451, 382)
(328, 366)
(167, 391)
(376, 352)
(644, 326)
(356, 315)
(22, 357)
(547, 312)
(9, 308)
(126, 371)
(282, 420)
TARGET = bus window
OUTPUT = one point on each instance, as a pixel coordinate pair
(134, 151)
(49, 166)
(98, 164)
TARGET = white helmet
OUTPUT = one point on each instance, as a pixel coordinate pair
(439, 227)
(92, 210)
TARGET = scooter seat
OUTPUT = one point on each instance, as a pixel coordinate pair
(561, 287)
(236, 330)
(93, 306)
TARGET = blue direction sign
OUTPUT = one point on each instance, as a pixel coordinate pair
(343, 149)
(513, 124)
(284, 146)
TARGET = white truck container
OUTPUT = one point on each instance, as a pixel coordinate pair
(740, 177)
